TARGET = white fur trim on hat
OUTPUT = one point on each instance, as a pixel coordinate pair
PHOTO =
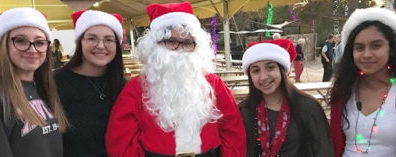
(175, 18)
(19, 17)
(359, 16)
(265, 51)
(92, 18)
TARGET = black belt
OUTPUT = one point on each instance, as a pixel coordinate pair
(211, 153)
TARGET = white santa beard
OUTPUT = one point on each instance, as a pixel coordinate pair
(179, 95)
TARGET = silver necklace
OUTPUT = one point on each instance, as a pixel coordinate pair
(102, 96)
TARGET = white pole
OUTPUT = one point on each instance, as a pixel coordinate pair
(132, 41)
(389, 4)
(226, 26)
(33, 4)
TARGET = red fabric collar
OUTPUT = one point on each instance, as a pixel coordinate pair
(271, 148)
(337, 135)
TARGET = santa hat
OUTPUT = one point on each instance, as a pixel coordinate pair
(281, 51)
(85, 19)
(359, 16)
(19, 17)
(164, 15)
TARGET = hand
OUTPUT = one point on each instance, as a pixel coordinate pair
(327, 60)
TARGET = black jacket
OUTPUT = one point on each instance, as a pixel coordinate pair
(314, 140)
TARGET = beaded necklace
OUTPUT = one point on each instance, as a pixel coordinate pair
(374, 126)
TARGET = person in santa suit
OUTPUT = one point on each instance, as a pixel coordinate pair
(177, 105)
(279, 119)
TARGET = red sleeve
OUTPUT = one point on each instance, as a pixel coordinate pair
(122, 129)
(231, 129)
(337, 135)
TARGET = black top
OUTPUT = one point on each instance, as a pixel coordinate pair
(87, 113)
(25, 139)
(292, 139)
(329, 53)
(309, 139)
(300, 54)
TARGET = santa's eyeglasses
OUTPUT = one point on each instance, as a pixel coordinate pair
(171, 44)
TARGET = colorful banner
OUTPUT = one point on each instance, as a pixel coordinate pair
(214, 35)
(269, 17)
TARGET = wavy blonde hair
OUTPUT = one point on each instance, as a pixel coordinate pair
(12, 96)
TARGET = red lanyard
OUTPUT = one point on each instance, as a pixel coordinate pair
(271, 148)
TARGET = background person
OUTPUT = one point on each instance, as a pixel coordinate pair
(299, 61)
(327, 58)
(57, 51)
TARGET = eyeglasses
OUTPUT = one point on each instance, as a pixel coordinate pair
(23, 44)
(174, 44)
(94, 42)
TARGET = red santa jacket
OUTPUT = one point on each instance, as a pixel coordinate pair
(132, 130)
(337, 135)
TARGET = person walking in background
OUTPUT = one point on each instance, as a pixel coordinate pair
(177, 106)
(299, 62)
(91, 81)
(339, 51)
(32, 118)
(364, 94)
(327, 58)
(276, 36)
(57, 51)
(279, 119)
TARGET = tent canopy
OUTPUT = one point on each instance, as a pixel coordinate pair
(135, 10)
(58, 13)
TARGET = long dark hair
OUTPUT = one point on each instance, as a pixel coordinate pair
(114, 75)
(293, 95)
(346, 72)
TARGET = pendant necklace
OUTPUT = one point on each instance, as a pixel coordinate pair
(102, 96)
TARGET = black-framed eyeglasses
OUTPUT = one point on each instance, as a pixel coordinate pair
(23, 44)
(94, 41)
(174, 44)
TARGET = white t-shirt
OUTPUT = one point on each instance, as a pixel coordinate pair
(383, 141)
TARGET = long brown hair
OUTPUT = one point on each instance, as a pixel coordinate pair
(13, 99)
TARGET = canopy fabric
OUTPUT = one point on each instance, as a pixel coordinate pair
(135, 10)
(58, 13)
(256, 31)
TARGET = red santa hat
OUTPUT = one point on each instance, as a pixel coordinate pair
(19, 17)
(359, 16)
(164, 15)
(85, 19)
(281, 51)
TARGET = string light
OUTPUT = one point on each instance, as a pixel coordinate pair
(392, 80)
(359, 138)
(381, 113)
(361, 73)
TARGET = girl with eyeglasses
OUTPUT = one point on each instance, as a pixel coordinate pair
(90, 82)
(32, 118)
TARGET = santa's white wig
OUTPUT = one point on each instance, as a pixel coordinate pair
(175, 88)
